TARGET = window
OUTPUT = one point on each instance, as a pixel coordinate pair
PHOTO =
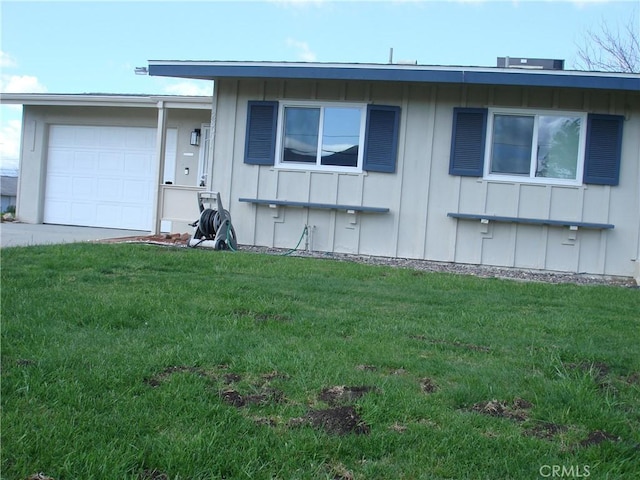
(537, 147)
(338, 137)
(321, 137)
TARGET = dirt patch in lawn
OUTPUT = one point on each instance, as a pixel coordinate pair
(466, 346)
(274, 375)
(366, 368)
(517, 410)
(25, 362)
(634, 378)
(428, 385)
(598, 437)
(265, 397)
(545, 430)
(337, 421)
(341, 394)
(159, 378)
(153, 474)
(231, 378)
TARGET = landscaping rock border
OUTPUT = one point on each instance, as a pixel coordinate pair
(483, 271)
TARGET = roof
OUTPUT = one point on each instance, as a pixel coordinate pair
(211, 70)
(107, 100)
(8, 186)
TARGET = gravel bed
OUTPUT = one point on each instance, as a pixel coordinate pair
(517, 274)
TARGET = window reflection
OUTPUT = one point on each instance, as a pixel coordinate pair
(301, 134)
(558, 142)
(512, 140)
(340, 137)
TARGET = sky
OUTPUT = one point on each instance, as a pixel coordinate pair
(94, 47)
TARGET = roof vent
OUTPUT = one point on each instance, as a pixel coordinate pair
(530, 63)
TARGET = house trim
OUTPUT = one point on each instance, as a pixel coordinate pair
(395, 73)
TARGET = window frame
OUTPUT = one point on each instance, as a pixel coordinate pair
(318, 167)
(531, 178)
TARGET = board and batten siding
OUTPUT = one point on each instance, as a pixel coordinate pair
(422, 191)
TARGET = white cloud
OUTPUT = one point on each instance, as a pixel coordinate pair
(6, 60)
(304, 52)
(21, 84)
(10, 144)
(298, 3)
(195, 88)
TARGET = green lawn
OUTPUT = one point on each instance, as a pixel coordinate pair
(146, 362)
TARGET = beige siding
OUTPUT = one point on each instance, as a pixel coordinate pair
(421, 193)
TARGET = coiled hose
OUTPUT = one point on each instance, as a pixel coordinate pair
(210, 221)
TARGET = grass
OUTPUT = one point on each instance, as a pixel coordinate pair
(122, 361)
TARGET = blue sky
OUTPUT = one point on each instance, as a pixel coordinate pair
(93, 47)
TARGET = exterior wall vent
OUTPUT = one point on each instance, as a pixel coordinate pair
(530, 63)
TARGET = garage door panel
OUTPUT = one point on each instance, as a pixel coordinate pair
(60, 211)
(85, 161)
(82, 188)
(137, 164)
(100, 176)
(59, 160)
(83, 213)
(86, 137)
(109, 189)
(142, 140)
(133, 216)
(111, 137)
(61, 136)
(59, 186)
(111, 162)
(136, 191)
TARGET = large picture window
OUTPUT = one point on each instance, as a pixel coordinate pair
(321, 136)
(540, 147)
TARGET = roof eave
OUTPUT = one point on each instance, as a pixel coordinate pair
(104, 100)
(395, 73)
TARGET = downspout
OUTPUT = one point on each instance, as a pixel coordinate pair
(161, 134)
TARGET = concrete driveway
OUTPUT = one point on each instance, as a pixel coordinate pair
(14, 234)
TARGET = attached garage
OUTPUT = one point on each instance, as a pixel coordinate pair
(100, 176)
(112, 161)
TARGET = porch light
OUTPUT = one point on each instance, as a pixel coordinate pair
(195, 137)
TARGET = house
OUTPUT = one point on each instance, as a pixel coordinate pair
(8, 192)
(525, 168)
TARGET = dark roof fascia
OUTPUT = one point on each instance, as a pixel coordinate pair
(395, 73)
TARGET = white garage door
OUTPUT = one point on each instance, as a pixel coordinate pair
(100, 176)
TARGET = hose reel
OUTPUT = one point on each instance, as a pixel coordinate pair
(214, 228)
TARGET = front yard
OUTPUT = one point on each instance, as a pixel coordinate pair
(147, 362)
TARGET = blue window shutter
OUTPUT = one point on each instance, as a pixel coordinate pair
(468, 142)
(260, 142)
(381, 138)
(603, 149)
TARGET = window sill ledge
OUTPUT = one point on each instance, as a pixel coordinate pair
(531, 221)
(324, 206)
